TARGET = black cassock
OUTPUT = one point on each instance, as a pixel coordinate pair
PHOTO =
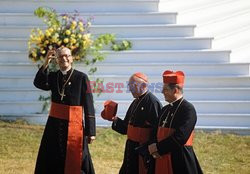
(142, 113)
(52, 152)
(181, 117)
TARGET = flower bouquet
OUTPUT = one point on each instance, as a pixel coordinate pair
(71, 31)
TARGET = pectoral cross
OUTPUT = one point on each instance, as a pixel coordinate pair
(164, 122)
(62, 94)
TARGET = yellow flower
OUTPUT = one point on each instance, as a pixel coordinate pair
(73, 35)
(34, 54)
(51, 30)
(40, 32)
(86, 36)
(86, 44)
(89, 24)
(31, 37)
(66, 40)
(54, 39)
(68, 32)
(73, 41)
(47, 33)
(81, 29)
(43, 51)
(72, 47)
(79, 36)
(37, 40)
(59, 42)
(73, 24)
(55, 28)
(56, 35)
(80, 24)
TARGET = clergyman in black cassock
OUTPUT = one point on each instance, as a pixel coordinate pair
(71, 122)
(173, 149)
(139, 120)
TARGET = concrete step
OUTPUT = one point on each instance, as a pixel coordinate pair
(23, 82)
(81, 6)
(168, 56)
(227, 21)
(241, 54)
(164, 43)
(213, 11)
(210, 107)
(166, 30)
(143, 56)
(187, 6)
(115, 93)
(234, 39)
(99, 18)
(222, 69)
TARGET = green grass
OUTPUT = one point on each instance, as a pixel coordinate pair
(218, 153)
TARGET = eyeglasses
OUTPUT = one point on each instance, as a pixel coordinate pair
(64, 55)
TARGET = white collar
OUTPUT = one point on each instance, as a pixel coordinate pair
(172, 103)
(65, 71)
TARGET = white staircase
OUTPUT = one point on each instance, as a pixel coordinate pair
(218, 88)
(226, 20)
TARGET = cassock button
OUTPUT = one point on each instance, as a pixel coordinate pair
(69, 83)
(142, 108)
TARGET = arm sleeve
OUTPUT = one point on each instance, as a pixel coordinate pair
(183, 131)
(89, 111)
(120, 126)
(155, 113)
(41, 80)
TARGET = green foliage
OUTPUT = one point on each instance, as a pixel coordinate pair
(71, 31)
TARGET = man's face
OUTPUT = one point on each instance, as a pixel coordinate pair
(168, 93)
(64, 58)
(135, 87)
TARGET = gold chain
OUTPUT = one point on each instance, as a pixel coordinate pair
(165, 120)
(63, 86)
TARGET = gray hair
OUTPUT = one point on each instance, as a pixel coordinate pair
(172, 86)
(58, 50)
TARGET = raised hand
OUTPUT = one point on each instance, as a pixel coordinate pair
(51, 54)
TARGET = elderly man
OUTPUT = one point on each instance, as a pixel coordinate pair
(140, 118)
(71, 122)
(173, 149)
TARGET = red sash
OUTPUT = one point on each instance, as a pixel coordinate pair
(140, 135)
(163, 165)
(74, 114)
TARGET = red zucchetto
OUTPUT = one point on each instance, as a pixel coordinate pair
(173, 77)
(110, 109)
(141, 76)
